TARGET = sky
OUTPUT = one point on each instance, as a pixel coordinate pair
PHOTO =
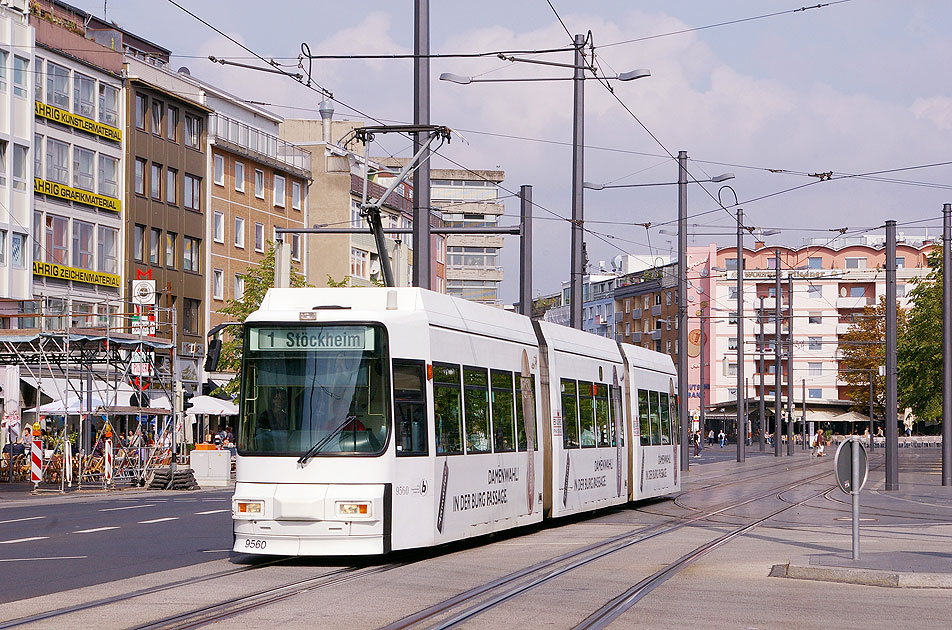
(856, 87)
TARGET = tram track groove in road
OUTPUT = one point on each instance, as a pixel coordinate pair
(598, 550)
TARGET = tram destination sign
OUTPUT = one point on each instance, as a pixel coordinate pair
(316, 338)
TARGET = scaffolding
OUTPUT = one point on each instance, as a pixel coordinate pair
(116, 369)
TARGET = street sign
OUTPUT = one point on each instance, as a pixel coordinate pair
(843, 465)
(143, 292)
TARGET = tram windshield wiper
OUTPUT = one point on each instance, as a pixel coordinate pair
(320, 444)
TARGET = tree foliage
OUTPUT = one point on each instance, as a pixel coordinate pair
(920, 349)
(258, 279)
(863, 351)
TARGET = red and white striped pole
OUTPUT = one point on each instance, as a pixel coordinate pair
(36, 463)
(108, 454)
(68, 463)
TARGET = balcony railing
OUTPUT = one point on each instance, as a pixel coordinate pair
(259, 143)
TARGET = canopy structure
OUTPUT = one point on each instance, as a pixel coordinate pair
(851, 416)
(208, 405)
(71, 397)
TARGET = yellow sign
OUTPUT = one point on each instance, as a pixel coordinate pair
(78, 122)
(52, 270)
(75, 194)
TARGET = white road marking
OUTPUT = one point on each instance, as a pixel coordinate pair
(19, 540)
(213, 512)
(216, 550)
(18, 520)
(51, 558)
(128, 507)
(95, 529)
(159, 520)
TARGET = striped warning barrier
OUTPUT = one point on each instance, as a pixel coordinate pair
(68, 463)
(36, 462)
(108, 467)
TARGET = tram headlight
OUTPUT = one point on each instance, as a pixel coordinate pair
(354, 508)
(249, 507)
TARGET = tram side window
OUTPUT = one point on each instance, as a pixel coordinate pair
(409, 412)
(613, 411)
(476, 410)
(602, 415)
(504, 437)
(520, 416)
(586, 408)
(655, 418)
(644, 417)
(675, 422)
(447, 405)
(665, 419)
(569, 414)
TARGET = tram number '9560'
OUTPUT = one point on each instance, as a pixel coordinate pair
(251, 543)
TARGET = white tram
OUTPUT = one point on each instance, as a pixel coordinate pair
(381, 419)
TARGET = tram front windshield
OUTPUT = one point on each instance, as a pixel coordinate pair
(319, 388)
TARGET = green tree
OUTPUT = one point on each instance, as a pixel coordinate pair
(258, 279)
(920, 349)
(862, 352)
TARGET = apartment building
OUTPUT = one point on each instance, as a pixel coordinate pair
(258, 183)
(78, 178)
(646, 309)
(334, 201)
(470, 198)
(16, 143)
(831, 285)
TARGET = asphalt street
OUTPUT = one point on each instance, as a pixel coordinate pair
(52, 545)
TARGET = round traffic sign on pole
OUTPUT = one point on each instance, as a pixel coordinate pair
(843, 466)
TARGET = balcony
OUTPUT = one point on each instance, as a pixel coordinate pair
(636, 313)
(259, 145)
(636, 337)
(852, 302)
(655, 335)
(656, 310)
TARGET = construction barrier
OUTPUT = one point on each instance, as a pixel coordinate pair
(68, 468)
(108, 463)
(36, 462)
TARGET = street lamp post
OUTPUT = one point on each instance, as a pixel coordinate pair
(778, 365)
(789, 362)
(761, 410)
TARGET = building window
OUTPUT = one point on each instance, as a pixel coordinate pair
(815, 369)
(219, 163)
(239, 232)
(900, 262)
(772, 263)
(19, 166)
(82, 245)
(731, 293)
(815, 291)
(358, 263)
(140, 176)
(296, 195)
(218, 227)
(239, 176)
(815, 393)
(259, 184)
(193, 131)
(106, 249)
(815, 343)
(193, 255)
(170, 249)
(142, 111)
(900, 290)
(732, 343)
(108, 104)
(56, 247)
(171, 124)
(190, 315)
(155, 240)
(57, 161)
(218, 281)
(279, 192)
(138, 242)
(83, 169)
(3, 247)
(730, 264)
(259, 237)
(732, 318)
(171, 185)
(193, 192)
(856, 263)
(84, 96)
(155, 182)
(815, 262)
(857, 292)
(20, 72)
(108, 176)
(3, 72)
(156, 117)
(239, 286)
(18, 250)
(296, 247)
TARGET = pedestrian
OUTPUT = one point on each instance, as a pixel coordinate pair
(820, 443)
(696, 438)
(721, 438)
(710, 438)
